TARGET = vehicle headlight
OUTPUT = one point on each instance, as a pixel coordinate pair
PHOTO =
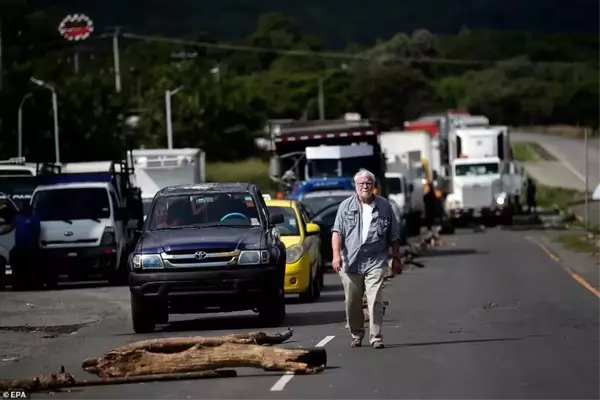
(254, 257)
(293, 254)
(501, 198)
(108, 237)
(147, 261)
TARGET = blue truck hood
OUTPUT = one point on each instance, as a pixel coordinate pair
(221, 238)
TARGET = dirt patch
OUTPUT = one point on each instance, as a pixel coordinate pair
(55, 330)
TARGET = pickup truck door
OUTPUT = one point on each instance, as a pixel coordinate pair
(8, 211)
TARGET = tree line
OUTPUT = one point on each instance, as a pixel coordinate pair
(228, 93)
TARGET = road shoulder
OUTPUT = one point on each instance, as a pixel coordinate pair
(576, 264)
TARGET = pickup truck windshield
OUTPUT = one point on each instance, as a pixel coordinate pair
(71, 204)
(479, 169)
(205, 209)
(289, 227)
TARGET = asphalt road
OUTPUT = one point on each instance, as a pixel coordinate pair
(569, 169)
(491, 316)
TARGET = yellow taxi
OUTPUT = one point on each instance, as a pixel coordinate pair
(304, 265)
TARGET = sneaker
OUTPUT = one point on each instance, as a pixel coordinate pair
(356, 343)
(378, 344)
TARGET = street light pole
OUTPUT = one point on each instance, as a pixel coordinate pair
(41, 83)
(20, 126)
(587, 203)
(169, 120)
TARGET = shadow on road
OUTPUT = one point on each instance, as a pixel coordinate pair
(296, 319)
(451, 252)
(333, 288)
(459, 342)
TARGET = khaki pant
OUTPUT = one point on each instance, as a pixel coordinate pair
(355, 286)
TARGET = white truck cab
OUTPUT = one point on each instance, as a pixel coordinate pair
(398, 188)
(85, 225)
(478, 190)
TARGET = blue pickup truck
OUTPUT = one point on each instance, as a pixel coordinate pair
(207, 248)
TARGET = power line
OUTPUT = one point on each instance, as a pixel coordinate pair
(334, 55)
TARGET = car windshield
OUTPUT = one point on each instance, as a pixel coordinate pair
(394, 185)
(202, 210)
(477, 169)
(315, 203)
(71, 204)
(289, 227)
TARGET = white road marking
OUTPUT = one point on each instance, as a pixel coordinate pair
(287, 377)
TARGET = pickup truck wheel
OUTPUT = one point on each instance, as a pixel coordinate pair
(142, 316)
(272, 312)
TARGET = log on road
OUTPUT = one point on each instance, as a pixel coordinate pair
(116, 364)
(52, 382)
(39, 383)
(177, 344)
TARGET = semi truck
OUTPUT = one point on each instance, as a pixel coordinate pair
(306, 150)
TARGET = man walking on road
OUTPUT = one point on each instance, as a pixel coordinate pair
(364, 230)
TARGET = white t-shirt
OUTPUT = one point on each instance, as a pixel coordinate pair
(367, 216)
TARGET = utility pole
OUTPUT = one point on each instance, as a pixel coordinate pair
(1, 60)
(117, 61)
(20, 125)
(168, 117)
(321, 100)
(587, 178)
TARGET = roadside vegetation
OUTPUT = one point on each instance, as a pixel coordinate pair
(548, 197)
(531, 152)
(580, 242)
(253, 170)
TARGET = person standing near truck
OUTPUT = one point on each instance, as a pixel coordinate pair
(531, 192)
(23, 258)
(364, 230)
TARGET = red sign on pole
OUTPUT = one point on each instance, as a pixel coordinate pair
(76, 27)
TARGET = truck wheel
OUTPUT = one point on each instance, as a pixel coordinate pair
(272, 311)
(142, 316)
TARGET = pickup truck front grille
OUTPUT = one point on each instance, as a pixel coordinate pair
(200, 259)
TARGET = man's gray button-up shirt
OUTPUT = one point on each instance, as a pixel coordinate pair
(360, 258)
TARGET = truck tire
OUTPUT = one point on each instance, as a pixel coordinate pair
(272, 311)
(142, 316)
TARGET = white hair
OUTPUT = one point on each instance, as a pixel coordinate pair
(364, 173)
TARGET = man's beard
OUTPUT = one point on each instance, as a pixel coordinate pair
(365, 195)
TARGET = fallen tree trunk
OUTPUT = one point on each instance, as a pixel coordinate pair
(39, 383)
(48, 382)
(178, 344)
(115, 364)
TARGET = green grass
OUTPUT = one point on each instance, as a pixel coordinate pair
(251, 171)
(547, 197)
(579, 242)
(531, 152)
(557, 198)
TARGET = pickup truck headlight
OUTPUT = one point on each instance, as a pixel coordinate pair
(108, 237)
(147, 261)
(293, 254)
(253, 257)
